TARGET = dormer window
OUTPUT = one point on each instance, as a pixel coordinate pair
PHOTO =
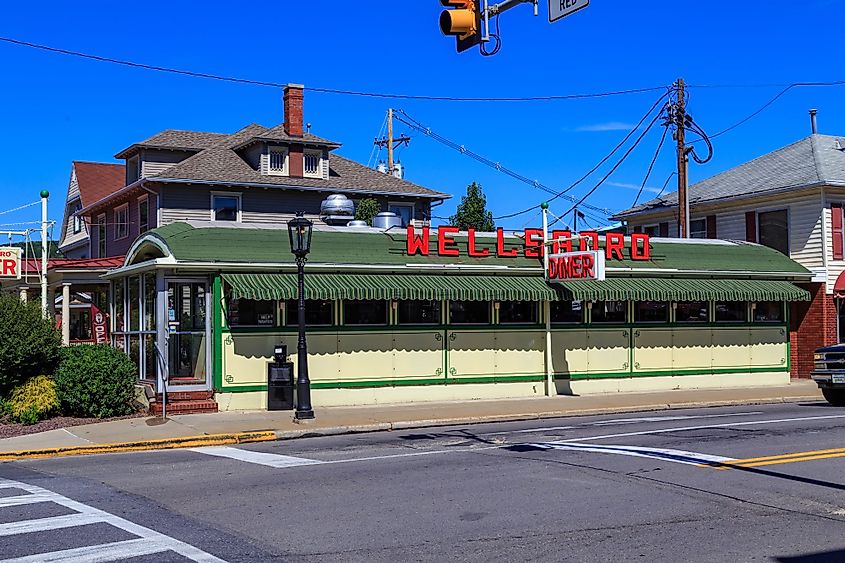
(278, 161)
(77, 220)
(311, 164)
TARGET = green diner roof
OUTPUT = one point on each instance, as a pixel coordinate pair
(345, 250)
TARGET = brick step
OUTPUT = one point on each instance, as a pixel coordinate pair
(186, 396)
(185, 407)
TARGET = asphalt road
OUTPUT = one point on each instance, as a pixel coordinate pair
(761, 483)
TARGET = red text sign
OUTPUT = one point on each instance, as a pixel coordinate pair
(588, 265)
(99, 326)
(10, 263)
(614, 247)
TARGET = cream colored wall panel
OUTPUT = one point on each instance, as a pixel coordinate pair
(608, 350)
(652, 349)
(520, 352)
(569, 351)
(730, 348)
(691, 348)
(418, 354)
(245, 356)
(367, 355)
(680, 382)
(425, 393)
(768, 347)
(471, 353)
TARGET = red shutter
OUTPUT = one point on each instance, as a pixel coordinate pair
(836, 219)
(751, 226)
(711, 226)
(664, 229)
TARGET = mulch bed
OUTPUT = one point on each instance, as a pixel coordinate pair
(10, 429)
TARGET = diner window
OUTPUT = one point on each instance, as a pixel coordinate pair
(469, 312)
(692, 312)
(773, 230)
(651, 312)
(567, 312)
(121, 222)
(364, 312)
(517, 312)
(143, 214)
(252, 312)
(418, 312)
(101, 236)
(226, 207)
(119, 305)
(609, 312)
(318, 312)
(767, 312)
(698, 228)
(731, 311)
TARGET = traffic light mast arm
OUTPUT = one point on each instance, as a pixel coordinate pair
(496, 9)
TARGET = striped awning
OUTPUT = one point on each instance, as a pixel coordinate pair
(506, 288)
(385, 286)
(667, 289)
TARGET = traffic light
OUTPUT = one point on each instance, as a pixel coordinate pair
(464, 21)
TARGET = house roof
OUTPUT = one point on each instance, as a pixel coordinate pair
(175, 139)
(817, 160)
(97, 180)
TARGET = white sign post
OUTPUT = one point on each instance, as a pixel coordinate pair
(10, 262)
(561, 8)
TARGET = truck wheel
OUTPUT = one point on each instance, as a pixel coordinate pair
(835, 397)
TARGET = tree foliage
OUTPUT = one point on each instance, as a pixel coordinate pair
(29, 345)
(367, 209)
(472, 211)
(95, 380)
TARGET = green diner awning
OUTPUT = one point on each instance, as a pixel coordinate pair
(507, 288)
(669, 289)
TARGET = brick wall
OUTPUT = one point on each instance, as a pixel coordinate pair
(812, 325)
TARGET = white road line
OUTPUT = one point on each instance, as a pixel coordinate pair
(95, 553)
(24, 499)
(52, 523)
(667, 418)
(149, 541)
(664, 454)
(530, 430)
(260, 458)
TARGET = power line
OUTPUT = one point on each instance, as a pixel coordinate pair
(651, 165)
(599, 164)
(19, 208)
(238, 80)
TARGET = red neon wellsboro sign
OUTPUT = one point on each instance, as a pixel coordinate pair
(532, 247)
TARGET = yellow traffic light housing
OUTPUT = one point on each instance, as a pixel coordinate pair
(464, 22)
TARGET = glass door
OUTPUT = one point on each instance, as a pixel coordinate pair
(187, 343)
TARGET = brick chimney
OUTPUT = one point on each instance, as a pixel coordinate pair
(293, 109)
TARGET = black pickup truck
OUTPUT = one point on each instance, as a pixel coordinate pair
(829, 373)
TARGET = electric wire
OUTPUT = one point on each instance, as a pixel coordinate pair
(19, 208)
(238, 80)
(497, 37)
(651, 166)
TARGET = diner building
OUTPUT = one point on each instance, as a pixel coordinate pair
(410, 314)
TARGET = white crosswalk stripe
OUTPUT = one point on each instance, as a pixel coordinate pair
(148, 542)
(260, 458)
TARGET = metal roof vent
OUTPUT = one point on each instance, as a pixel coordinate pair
(337, 209)
(386, 220)
(357, 223)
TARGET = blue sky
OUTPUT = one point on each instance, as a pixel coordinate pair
(56, 109)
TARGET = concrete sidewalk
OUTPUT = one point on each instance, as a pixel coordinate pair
(239, 427)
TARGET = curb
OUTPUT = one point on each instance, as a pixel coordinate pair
(145, 445)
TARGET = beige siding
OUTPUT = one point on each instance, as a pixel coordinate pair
(834, 267)
(151, 168)
(68, 236)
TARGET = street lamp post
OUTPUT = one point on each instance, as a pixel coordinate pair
(299, 230)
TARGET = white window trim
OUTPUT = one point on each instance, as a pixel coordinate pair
(142, 199)
(319, 172)
(705, 226)
(117, 224)
(237, 195)
(403, 204)
(76, 219)
(101, 230)
(285, 171)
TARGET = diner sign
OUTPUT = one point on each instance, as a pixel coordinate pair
(562, 242)
(587, 265)
(10, 262)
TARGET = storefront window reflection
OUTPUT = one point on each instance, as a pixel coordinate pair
(250, 312)
(691, 312)
(567, 312)
(609, 312)
(469, 312)
(651, 312)
(731, 311)
(768, 312)
(365, 312)
(418, 312)
(517, 312)
(317, 312)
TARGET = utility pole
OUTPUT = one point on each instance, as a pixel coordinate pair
(680, 136)
(390, 143)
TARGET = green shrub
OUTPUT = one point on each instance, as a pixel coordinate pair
(366, 209)
(33, 401)
(95, 380)
(29, 345)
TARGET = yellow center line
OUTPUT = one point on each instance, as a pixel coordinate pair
(777, 459)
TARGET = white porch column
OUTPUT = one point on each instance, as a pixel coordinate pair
(23, 295)
(65, 314)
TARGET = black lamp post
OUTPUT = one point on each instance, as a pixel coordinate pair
(299, 229)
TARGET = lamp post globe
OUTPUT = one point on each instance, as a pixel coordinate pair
(299, 231)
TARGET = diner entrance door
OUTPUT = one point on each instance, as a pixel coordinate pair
(187, 333)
